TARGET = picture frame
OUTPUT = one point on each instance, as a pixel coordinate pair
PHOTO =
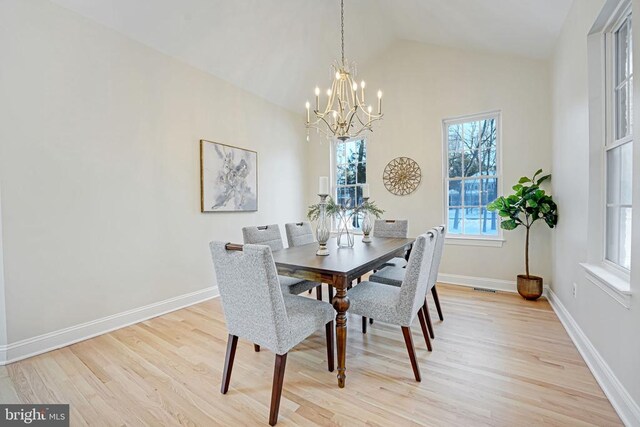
(228, 178)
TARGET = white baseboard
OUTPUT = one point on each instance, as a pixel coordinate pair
(628, 410)
(53, 340)
(478, 282)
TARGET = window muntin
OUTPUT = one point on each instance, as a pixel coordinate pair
(350, 173)
(619, 147)
(472, 177)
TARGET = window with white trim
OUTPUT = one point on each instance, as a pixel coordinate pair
(350, 173)
(619, 143)
(472, 175)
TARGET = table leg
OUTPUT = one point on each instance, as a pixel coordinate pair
(341, 305)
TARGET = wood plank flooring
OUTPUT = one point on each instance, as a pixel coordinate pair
(498, 360)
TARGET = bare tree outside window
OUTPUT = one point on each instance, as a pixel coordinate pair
(351, 174)
(472, 175)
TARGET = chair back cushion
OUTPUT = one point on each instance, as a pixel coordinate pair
(437, 255)
(416, 279)
(251, 297)
(299, 233)
(264, 235)
(391, 228)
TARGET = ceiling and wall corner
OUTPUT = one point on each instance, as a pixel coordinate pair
(281, 49)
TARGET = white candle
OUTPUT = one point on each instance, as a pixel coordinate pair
(379, 101)
(307, 105)
(323, 187)
(365, 190)
(317, 98)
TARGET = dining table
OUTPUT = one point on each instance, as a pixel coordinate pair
(339, 269)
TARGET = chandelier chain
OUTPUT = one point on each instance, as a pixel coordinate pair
(342, 27)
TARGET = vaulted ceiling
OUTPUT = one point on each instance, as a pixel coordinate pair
(280, 49)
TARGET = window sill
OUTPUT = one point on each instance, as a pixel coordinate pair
(492, 242)
(617, 287)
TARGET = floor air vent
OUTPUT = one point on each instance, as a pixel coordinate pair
(491, 291)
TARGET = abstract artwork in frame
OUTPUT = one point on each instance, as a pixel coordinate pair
(228, 178)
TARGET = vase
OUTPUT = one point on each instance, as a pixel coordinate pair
(367, 226)
(322, 230)
(345, 237)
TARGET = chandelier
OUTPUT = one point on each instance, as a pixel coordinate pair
(346, 114)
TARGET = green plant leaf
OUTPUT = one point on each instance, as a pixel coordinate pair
(523, 180)
(543, 178)
(538, 172)
(509, 224)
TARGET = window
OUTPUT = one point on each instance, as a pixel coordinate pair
(472, 175)
(350, 173)
(619, 144)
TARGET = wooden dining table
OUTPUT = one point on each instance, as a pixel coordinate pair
(339, 269)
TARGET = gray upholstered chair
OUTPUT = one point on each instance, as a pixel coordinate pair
(270, 235)
(301, 233)
(394, 276)
(256, 309)
(392, 228)
(400, 305)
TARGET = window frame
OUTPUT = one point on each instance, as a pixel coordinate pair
(617, 20)
(472, 239)
(334, 175)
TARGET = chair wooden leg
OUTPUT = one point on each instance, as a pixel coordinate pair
(359, 280)
(330, 352)
(276, 390)
(370, 321)
(330, 294)
(232, 343)
(423, 326)
(408, 340)
(319, 293)
(434, 292)
(364, 325)
(256, 348)
(427, 315)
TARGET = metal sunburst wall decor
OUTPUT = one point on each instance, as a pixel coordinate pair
(402, 176)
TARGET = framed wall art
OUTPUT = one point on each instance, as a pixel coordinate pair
(228, 178)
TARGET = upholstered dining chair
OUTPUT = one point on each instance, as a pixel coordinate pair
(301, 233)
(400, 305)
(394, 276)
(256, 309)
(270, 235)
(388, 228)
(392, 228)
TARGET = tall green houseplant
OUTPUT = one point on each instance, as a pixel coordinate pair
(527, 205)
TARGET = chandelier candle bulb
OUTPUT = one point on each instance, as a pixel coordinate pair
(379, 102)
(308, 114)
(317, 98)
(323, 185)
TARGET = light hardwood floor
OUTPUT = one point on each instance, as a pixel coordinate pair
(498, 360)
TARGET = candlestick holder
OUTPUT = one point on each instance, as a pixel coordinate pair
(322, 229)
(367, 226)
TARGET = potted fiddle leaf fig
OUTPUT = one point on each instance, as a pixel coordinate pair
(527, 205)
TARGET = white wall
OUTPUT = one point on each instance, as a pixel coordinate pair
(612, 329)
(99, 165)
(3, 309)
(424, 84)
